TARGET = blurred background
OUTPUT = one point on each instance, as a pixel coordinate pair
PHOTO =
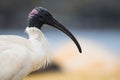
(83, 14)
(95, 23)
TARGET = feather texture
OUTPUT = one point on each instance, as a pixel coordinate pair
(20, 56)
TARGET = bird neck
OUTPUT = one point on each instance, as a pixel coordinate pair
(37, 37)
(35, 22)
(40, 50)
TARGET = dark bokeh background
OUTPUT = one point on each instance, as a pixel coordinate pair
(82, 14)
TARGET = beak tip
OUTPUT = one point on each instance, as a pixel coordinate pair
(80, 51)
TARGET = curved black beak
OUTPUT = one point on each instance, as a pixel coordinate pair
(59, 26)
(40, 16)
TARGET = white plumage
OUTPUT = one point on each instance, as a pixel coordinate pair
(20, 56)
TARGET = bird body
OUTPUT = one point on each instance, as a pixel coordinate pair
(20, 56)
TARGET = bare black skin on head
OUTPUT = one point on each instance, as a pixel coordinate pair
(40, 16)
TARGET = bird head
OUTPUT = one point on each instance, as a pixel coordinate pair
(39, 16)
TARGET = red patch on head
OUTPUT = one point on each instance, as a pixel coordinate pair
(32, 13)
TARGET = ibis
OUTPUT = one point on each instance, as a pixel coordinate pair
(20, 56)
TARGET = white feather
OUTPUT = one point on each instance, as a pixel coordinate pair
(20, 56)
